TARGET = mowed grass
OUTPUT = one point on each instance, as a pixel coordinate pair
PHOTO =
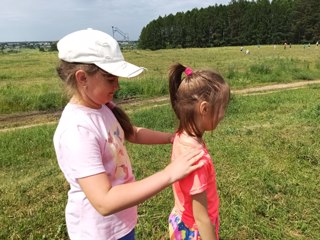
(266, 154)
(28, 81)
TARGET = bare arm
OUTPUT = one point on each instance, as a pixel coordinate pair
(148, 136)
(200, 212)
(107, 199)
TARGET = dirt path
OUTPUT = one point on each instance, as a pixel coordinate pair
(17, 121)
(276, 87)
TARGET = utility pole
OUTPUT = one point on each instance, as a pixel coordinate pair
(117, 30)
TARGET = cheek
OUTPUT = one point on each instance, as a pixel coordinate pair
(216, 118)
(100, 94)
(110, 86)
(214, 123)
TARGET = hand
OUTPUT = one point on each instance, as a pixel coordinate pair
(171, 138)
(184, 165)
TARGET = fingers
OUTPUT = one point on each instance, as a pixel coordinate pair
(192, 167)
(186, 164)
(193, 160)
(193, 153)
(196, 166)
(196, 156)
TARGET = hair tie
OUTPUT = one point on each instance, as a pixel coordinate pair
(111, 105)
(188, 71)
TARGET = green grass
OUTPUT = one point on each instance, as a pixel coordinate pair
(28, 81)
(266, 154)
(33, 191)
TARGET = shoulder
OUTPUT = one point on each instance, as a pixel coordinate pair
(79, 115)
(185, 141)
(78, 120)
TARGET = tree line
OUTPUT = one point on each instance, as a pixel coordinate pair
(241, 22)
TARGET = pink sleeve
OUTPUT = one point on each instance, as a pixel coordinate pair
(82, 152)
(197, 181)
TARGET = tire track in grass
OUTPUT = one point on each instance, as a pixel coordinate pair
(35, 119)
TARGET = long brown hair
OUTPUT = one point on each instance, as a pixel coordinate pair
(67, 71)
(186, 91)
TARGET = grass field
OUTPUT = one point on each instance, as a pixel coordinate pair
(266, 151)
(28, 81)
(267, 158)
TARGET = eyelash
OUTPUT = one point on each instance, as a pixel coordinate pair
(109, 76)
(110, 79)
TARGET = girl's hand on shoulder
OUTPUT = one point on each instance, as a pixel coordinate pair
(184, 164)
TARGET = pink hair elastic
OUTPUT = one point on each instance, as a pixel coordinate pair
(188, 71)
(111, 105)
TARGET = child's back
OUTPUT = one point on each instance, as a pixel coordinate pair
(199, 99)
(203, 179)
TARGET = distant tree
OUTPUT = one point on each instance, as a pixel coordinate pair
(306, 27)
(53, 46)
(241, 22)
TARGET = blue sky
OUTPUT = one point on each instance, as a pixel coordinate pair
(40, 20)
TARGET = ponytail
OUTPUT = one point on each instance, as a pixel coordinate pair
(187, 88)
(175, 79)
(122, 118)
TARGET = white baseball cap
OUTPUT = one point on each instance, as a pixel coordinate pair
(96, 47)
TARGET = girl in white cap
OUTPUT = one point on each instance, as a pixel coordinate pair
(199, 99)
(89, 142)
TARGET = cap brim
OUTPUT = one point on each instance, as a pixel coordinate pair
(121, 69)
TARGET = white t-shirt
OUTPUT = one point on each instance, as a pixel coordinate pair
(87, 142)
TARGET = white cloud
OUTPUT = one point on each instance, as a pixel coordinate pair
(39, 20)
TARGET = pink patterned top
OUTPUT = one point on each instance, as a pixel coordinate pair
(87, 142)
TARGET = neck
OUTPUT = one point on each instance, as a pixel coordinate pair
(199, 139)
(76, 99)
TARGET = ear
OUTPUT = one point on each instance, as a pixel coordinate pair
(81, 78)
(204, 107)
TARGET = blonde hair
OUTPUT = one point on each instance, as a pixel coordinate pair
(187, 91)
(66, 71)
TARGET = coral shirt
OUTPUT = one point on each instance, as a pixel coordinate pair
(87, 142)
(202, 179)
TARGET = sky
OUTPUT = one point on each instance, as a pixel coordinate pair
(45, 20)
